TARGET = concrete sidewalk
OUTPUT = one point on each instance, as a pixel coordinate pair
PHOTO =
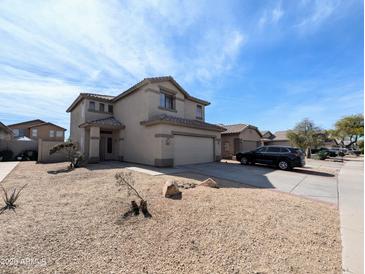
(6, 168)
(351, 201)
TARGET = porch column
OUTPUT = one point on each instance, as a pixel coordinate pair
(94, 156)
(121, 145)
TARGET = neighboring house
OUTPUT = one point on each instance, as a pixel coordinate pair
(280, 139)
(6, 133)
(239, 138)
(38, 129)
(155, 122)
(267, 137)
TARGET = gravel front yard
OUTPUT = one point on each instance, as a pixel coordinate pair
(68, 223)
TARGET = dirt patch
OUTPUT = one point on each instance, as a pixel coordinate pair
(68, 223)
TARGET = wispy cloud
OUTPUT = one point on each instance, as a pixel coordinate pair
(271, 16)
(49, 51)
(318, 11)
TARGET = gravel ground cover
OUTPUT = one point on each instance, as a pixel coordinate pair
(70, 223)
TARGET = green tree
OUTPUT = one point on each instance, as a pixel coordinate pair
(306, 135)
(349, 128)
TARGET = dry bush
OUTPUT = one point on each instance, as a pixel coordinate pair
(10, 200)
(125, 180)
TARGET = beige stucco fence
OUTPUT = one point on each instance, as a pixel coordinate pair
(17, 146)
(43, 152)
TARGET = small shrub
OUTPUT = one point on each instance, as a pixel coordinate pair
(74, 156)
(10, 200)
(126, 180)
(321, 155)
(6, 155)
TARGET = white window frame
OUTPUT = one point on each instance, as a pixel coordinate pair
(59, 133)
(34, 132)
(51, 133)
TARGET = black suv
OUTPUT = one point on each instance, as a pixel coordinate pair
(283, 157)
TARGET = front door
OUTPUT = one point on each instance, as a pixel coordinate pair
(106, 147)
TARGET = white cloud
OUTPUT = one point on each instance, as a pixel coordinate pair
(271, 16)
(318, 12)
(51, 50)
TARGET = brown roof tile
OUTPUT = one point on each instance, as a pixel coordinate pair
(163, 118)
(109, 122)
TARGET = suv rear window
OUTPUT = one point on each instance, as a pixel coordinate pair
(273, 149)
(284, 150)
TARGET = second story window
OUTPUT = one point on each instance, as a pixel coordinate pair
(110, 108)
(166, 101)
(51, 133)
(34, 132)
(59, 133)
(199, 112)
(91, 105)
(16, 132)
(101, 107)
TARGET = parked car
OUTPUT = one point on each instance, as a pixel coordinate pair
(283, 157)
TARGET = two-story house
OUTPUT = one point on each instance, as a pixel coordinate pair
(38, 129)
(6, 133)
(155, 122)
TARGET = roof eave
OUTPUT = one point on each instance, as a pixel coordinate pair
(157, 122)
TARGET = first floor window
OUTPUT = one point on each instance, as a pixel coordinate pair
(51, 133)
(34, 132)
(59, 133)
(166, 101)
(110, 108)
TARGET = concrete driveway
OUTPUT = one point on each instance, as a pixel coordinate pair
(6, 168)
(318, 180)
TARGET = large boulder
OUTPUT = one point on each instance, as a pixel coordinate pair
(171, 190)
(209, 183)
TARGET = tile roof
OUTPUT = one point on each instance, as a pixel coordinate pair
(7, 129)
(98, 96)
(109, 122)
(145, 81)
(281, 135)
(163, 118)
(231, 129)
(36, 121)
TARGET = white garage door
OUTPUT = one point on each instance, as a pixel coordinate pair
(192, 150)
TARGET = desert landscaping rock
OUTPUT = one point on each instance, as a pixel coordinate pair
(209, 183)
(171, 190)
(69, 220)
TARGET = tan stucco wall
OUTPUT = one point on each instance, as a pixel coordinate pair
(246, 135)
(138, 143)
(4, 135)
(185, 108)
(43, 133)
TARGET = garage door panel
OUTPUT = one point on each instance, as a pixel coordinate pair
(192, 150)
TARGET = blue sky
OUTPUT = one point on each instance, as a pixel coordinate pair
(266, 63)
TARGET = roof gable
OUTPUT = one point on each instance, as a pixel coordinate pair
(31, 122)
(238, 128)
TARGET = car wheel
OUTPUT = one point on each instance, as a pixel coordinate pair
(244, 161)
(284, 165)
